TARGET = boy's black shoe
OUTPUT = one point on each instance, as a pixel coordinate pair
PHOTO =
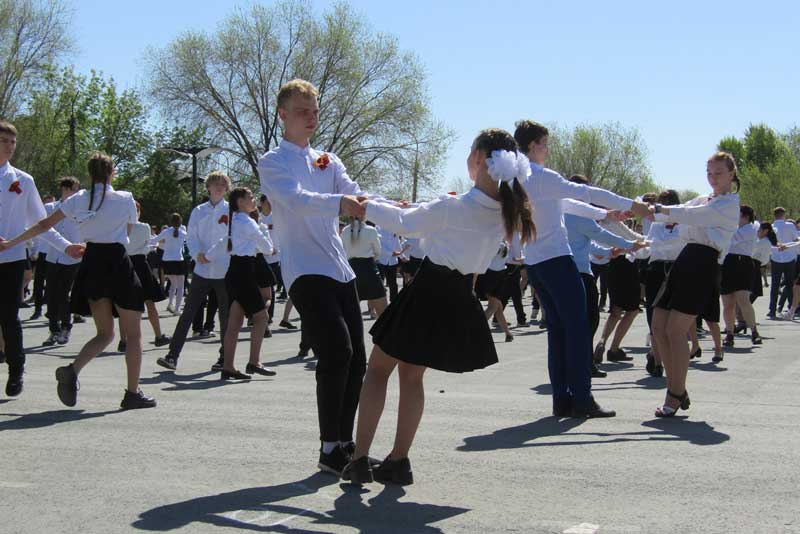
(133, 401)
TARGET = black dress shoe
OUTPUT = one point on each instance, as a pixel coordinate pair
(597, 373)
(358, 471)
(696, 354)
(394, 472)
(302, 353)
(135, 401)
(562, 407)
(36, 314)
(122, 346)
(162, 340)
(234, 375)
(617, 356)
(592, 410)
(259, 370)
(168, 361)
(287, 325)
(728, 341)
(267, 333)
(650, 366)
(218, 365)
(15, 382)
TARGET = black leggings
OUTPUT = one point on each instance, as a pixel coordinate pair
(331, 317)
(11, 275)
(592, 308)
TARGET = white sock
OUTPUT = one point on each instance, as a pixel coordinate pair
(179, 294)
(328, 446)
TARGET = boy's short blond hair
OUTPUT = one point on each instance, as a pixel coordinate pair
(295, 87)
(218, 176)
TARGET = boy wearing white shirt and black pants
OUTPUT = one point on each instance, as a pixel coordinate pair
(61, 271)
(20, 206)
(784, 262)
(208, 223)
(308, 191)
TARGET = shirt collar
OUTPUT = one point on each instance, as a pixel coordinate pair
(482, 198)
(295, 149)
(535, 167)
(6, 168)
(108, 187)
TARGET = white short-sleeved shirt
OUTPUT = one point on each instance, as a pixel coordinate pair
(361, 243)
(106, 224)
(173, 246)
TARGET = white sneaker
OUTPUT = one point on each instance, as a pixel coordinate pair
(787, 315)
(63, 337)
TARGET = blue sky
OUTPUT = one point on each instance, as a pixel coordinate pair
(684, 73)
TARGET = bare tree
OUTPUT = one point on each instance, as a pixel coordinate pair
(373, 103)
(33, 35)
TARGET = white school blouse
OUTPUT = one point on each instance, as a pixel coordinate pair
(208, 224)
(173, 246)
(139, 240)
(665, 242)
(363, 244)
(415, 249)
(18, 211)
(69, 229)
(744, 240)
(267, 248)
(786, 232)
(498, 263)
(707, 220)
(305, 209)
(460, 232)
(390, 244)
(246, 238)
(762, 251)
(546, 188)
(109, 223)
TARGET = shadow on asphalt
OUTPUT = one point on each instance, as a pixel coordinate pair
(194, 382)
(521, 436)
(383, 513)
(49, 418)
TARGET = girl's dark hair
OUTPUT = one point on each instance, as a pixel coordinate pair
(730, 162)
(516, 208)
(100, 170)
(233, 206)
(527, 132)
(747, 212)
(770, 233)
(68, 182)
(649, 198)
(175, 222)
(669, 197)
(353, 223)
(254, 215)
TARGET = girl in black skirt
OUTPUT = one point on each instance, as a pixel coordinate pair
(244, 239)
(106, 281)
(362, 244)
(173, 262)
(138, 245)
(707, 224)
(436, 320)
(265, 279)
(737, 278)
(788, 315)
(493, 284)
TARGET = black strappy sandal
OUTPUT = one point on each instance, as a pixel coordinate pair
(669, 411)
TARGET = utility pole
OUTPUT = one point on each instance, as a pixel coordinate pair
(195, 152)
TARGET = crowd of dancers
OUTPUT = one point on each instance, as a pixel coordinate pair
(522, 226)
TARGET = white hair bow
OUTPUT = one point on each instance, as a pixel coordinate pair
(505, 165)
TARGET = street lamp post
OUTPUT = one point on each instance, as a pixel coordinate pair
(195, 152)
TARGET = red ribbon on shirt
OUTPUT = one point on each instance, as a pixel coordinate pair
(15, 188)
(223, 220)
(322, 162)
(670, 226)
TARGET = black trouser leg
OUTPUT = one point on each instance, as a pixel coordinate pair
(592, 309)
(11, 275)
(39, 281)
(514, 273)
(212, 307)
(197, 321)
(599, 271)
(331, 317)
(59, 284)
(389, 275)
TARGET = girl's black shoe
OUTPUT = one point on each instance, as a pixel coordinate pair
(728, 342)
(259, 370)
(234, 375)
(755, 338)
(394, 472)
(358, 471)
(696, 354)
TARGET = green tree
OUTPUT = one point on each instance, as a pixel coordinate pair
(610, 155)
(374, 110)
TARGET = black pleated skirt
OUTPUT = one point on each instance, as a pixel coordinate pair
(693, 283)
(240, 281)
(106, 272)
(151, 289)
(655, 280)
(411, 266)
(491, 284)
(737, 274)
(264, 275)
(368, 279)
(174, 267)
(757, 289)
(623, 284)
(437, 321)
